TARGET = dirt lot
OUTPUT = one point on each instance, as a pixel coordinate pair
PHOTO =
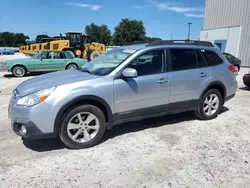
(172, 151)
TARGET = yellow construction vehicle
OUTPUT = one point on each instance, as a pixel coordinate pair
(76, 42)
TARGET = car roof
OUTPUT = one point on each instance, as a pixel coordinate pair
(170, 43)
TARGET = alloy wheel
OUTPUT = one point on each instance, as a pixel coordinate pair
(83, 127)
(211, 104)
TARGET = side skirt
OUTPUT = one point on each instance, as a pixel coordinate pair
(156, 111)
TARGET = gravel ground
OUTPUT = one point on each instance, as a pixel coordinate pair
(172, 151)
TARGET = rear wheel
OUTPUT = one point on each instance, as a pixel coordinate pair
(210, 105)
(72, 66)
(83, 127)
(19, 71)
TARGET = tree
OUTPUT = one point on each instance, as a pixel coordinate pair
(12, 39)
(152, 39)
(100, 34)
(129, 31)
(39, 37)
(21, 39)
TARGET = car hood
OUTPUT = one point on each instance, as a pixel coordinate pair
(51, 80)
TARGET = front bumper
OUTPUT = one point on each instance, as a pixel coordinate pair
(3, 66)
(28, 117)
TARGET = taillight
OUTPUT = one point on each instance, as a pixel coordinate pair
(232, 69)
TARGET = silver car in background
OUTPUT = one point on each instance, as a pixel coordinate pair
(128, 83)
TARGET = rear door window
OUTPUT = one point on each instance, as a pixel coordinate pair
(183, 59)
(59, 55)
(201, 59)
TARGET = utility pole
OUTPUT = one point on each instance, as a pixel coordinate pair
(171, 37)
(189, 27)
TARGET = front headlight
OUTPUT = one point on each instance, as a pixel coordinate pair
(35, 98)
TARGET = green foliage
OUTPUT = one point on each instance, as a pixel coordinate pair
(129, 31)
(12, 39)
(149, 39)
(100, 34)
(39, 37)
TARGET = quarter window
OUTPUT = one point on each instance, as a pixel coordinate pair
(183, 59)
(149, 63)
(212, 58)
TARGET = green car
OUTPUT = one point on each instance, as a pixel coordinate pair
(44, 61)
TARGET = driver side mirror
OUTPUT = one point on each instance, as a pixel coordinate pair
(129, 73)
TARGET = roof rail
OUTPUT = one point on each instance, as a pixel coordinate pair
(131, 43)
(181, 42)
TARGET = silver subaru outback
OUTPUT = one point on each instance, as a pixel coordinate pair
(128, 83)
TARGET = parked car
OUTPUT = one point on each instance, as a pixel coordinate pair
(234, 61)
(44, 61)
(7, 52)
(125, 84)
(246, 79)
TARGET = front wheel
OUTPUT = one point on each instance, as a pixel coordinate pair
(82, 127)
(210, 105)
(18, 71)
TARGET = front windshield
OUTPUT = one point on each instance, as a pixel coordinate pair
(107, 62)
(37, 55)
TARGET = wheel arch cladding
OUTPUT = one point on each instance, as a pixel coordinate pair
(81, 100)
(216, 85)
(70, 63)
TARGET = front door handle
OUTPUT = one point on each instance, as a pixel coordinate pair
(163, 81)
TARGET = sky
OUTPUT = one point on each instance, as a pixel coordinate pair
(162, 18)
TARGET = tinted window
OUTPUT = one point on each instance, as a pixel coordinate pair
(149, 63)
(212, 58)
(183, 59)
(201, 59)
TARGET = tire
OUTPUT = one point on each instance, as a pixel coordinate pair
(72, 131)
(19, 71)
(204, 107)
(247, 85)
(93, 55)
(72, 66)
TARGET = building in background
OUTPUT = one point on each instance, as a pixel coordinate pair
(227, 24)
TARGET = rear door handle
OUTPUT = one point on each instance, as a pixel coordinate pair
(163, 81)
(203, 74)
